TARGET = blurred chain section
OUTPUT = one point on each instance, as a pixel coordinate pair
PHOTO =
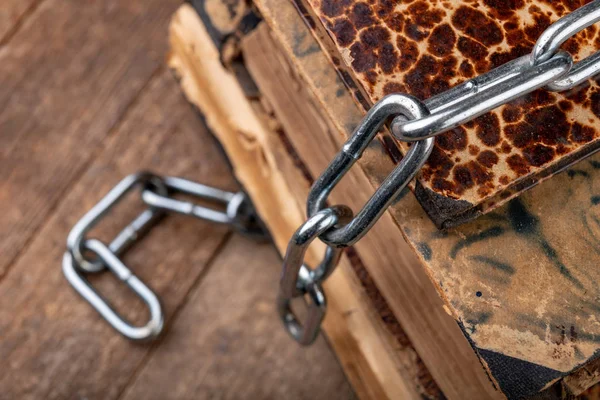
(158, 194)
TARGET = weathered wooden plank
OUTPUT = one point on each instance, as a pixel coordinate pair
(13, 14)
(262, 164)
(228, 343)
(97, 56)
(53, 345)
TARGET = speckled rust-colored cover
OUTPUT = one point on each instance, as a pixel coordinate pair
(424, 47)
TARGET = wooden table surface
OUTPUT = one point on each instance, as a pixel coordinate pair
(85, 99)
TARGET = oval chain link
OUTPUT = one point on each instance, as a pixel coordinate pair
(299, 280)
(157, 193)
(391, 106)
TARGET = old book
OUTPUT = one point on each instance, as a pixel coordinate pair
(523, 338)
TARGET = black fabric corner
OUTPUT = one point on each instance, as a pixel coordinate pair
(518, 379)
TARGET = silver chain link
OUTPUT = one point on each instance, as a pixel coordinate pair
(298, 279)
(157, 193)
(419, 122)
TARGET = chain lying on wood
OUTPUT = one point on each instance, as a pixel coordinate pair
(157, 193)
(419, 122)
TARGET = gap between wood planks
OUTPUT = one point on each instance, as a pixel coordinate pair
(233, 343)
(51, 337)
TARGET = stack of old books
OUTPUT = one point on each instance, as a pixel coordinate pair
(462, 290)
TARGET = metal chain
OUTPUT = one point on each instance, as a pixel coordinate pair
(298, 279)
(419, 122)
(158, 195)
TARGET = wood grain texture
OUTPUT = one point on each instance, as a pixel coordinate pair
(13, 14)
(235, 346)
(50, 337)
(54, 119)
(262, 163)
(52, 344)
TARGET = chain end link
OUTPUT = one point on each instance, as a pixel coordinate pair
(157, 194)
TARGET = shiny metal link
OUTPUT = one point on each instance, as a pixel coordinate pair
(157, 193)
(580, 73)
(237, 210)
(298, 280)
(177, 185)
(565, 28)
(294, 256)
(305, 333)
(390, 106)
(480, 95)
(76, 278)
(129, 234)
(562, 30)
(335, 225)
